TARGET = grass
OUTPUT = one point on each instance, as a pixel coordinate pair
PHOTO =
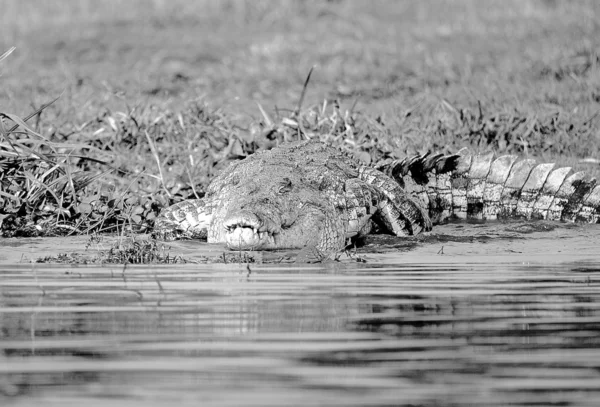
(157, 97)
(125, 250)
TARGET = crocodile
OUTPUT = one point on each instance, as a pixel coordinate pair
(311, 196)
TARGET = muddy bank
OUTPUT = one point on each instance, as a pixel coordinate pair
(517, 241)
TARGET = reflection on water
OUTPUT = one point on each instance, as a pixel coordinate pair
(500, 334)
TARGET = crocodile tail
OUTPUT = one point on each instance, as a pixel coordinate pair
(480, 186)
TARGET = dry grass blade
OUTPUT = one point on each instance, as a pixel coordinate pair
(36, 112)
(37, 188)
(303, 94)
(4, 132)
(19, 123)
(9, 196)
(268, 122)
(7, 53)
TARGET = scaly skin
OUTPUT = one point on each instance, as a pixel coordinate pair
(304, 195)
(481, 187)
(310, 196)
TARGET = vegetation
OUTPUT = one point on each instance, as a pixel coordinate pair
(125, 250)
(152, 98)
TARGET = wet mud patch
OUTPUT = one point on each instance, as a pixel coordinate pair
(136, 249)
(535, 241)
(463, 232)
(383, 242)
(532, 227)
(487, 242)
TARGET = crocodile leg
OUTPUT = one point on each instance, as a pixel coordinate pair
(359, 206)
(417, 177)
(187, 219)
(397, 211)
(327, 240)
(332, 233)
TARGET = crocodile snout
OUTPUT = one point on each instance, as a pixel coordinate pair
(247, 231)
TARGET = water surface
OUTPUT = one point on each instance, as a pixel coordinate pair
(476, 316)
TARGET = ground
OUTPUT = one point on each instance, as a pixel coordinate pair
(156, 96)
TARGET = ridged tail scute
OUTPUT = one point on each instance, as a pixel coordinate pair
(589, 207)
(428, 178)
(511, 193)
(477, 186)
(553, 183)
(492, 191)
(476, 178)
(571, 195)
(532, 189)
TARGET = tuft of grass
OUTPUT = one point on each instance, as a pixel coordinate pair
(129, 250)
(134, 250)
(237, 257)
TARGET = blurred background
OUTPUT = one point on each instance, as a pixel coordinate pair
(505, 54)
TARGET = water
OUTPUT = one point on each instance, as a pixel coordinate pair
(470, 316)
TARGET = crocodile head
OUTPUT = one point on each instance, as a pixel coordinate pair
(284, 214)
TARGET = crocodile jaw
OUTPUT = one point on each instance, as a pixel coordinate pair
(245, 231)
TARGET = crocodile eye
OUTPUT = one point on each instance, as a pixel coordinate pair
(285, 186)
